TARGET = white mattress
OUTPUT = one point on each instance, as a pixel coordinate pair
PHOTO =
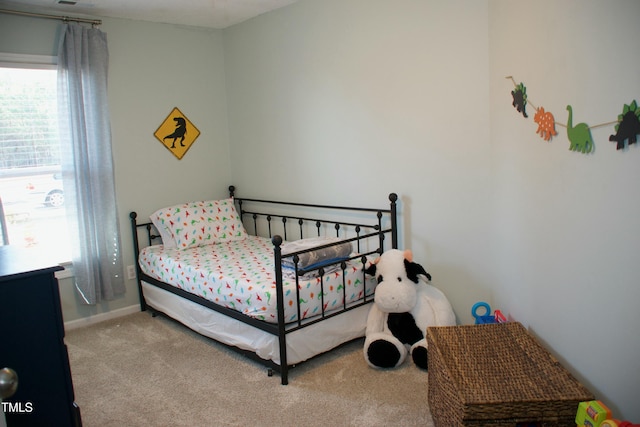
(240, 275)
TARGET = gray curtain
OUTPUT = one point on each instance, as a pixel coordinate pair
(87, 163)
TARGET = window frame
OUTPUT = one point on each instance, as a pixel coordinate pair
(18, 60)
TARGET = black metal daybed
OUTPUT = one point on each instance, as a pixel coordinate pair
(278, 281)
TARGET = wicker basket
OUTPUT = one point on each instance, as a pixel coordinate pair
(498, 375)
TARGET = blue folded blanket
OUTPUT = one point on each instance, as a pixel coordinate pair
(317, 258)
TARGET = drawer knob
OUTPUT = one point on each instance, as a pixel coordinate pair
(8, 382)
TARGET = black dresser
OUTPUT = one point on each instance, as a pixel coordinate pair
(32, 341)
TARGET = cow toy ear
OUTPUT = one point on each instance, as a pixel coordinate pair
(408, 255)
(414, 269)
(371, 270)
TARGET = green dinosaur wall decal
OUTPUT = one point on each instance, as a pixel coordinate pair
(579, 135)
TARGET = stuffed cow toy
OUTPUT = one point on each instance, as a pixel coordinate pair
(403, 308)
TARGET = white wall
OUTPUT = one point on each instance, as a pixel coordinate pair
(416, 90)
(153, 68)
(344, 102)
(566, 232)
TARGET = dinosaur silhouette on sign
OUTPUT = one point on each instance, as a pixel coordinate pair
(180, 132)
(579, 135)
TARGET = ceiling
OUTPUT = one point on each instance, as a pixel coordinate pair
(202, 13)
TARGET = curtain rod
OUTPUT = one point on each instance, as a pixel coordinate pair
(61, 18)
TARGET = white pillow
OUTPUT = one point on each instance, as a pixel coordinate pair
(200, 223)
(165, 234)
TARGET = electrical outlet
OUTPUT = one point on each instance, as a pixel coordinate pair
(131, 272)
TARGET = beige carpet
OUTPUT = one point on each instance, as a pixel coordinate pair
(144, 371)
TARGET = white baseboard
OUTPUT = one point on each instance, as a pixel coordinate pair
(113, 314)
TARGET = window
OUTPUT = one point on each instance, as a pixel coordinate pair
(31, 190)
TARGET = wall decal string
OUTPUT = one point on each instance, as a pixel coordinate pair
(627, 126)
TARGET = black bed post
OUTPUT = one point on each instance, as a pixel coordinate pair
(282, 336)
(136, 250)
(393, 198)
(232, 190)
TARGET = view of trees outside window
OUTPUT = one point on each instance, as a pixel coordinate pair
(30, 180)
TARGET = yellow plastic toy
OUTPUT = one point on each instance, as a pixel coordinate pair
(592, 414)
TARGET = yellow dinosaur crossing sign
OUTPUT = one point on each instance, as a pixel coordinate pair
(177, 133)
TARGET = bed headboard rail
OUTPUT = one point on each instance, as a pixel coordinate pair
(263, 217)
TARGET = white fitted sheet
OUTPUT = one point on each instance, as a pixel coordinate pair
(240, 275)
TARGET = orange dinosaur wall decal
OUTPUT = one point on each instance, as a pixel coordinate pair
(546, 124)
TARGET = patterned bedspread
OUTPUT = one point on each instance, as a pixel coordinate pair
(240, 275)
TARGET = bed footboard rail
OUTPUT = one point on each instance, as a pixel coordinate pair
(366, 224)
